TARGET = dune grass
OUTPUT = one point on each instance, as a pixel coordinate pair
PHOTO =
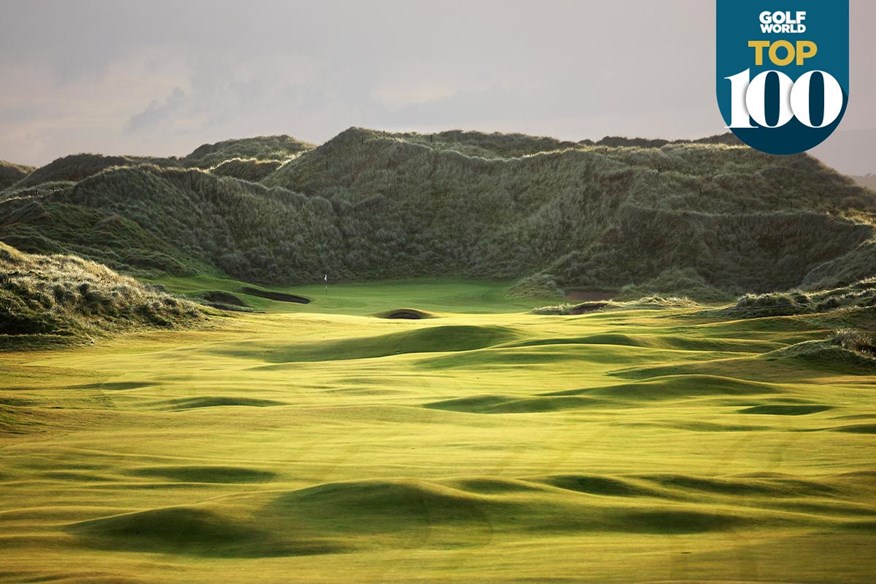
(706, 219)
(62, 298)
(262, 148)
(318, 443)
(11, 173)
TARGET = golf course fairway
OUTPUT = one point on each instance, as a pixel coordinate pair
(320, 443)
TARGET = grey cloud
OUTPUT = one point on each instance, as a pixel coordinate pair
(158, 112)
(311, 69)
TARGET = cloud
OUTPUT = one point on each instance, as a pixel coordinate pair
(158, 112)
(163, 77)
(399, 95)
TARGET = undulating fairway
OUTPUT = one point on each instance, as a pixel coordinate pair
(318, 443)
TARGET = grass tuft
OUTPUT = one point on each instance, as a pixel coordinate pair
(65, 297)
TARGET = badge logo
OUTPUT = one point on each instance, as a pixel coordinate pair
(783, 71)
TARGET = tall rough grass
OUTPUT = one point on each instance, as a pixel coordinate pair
(11, 173)
(855, 340)
(250, 169)
(261, 148)
(77, 167)
(860, 295)
(707, 219)
(64, 296)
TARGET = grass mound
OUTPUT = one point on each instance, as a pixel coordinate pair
(536, 286)
(73, 168)
(856, 341)
(776, 304)
(11, 173)
(206, 474)
(674, 283)
(405, 314)
(671, 387)
(855, 266)
(859, 295)
(681, 522)
(496, 404)
(269, 148)
(661, 302)
(65, 297)
(785, 410)
(647, 302)
(484, 145)
(857, 429)
(158, 222)
(474, 508)
(381, 505)
(250, 169)
(190, 531)
(640, 394)
(854, 351)
(435, 339)
(77, 167)
(193, 403)
(599, 485)
(277, 296)
(580, 308)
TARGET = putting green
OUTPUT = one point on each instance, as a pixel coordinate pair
(315, 443)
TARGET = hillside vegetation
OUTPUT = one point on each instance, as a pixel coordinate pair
(77, 167)
(249, 159)
(262, 148)
(707, 219)
(859, 295)
(64, 298)
(11, 173)
(250, 169)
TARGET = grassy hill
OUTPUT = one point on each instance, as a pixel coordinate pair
(261, 148)
(249, 169)
(46, 299)
(11, 173)
(249, 159)
(706, 218)
(590, 215)
(180, 222)
(77, 167)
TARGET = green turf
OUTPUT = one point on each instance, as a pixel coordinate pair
(316, 443)
(469, 297)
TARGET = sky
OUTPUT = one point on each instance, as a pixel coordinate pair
(162, 77)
